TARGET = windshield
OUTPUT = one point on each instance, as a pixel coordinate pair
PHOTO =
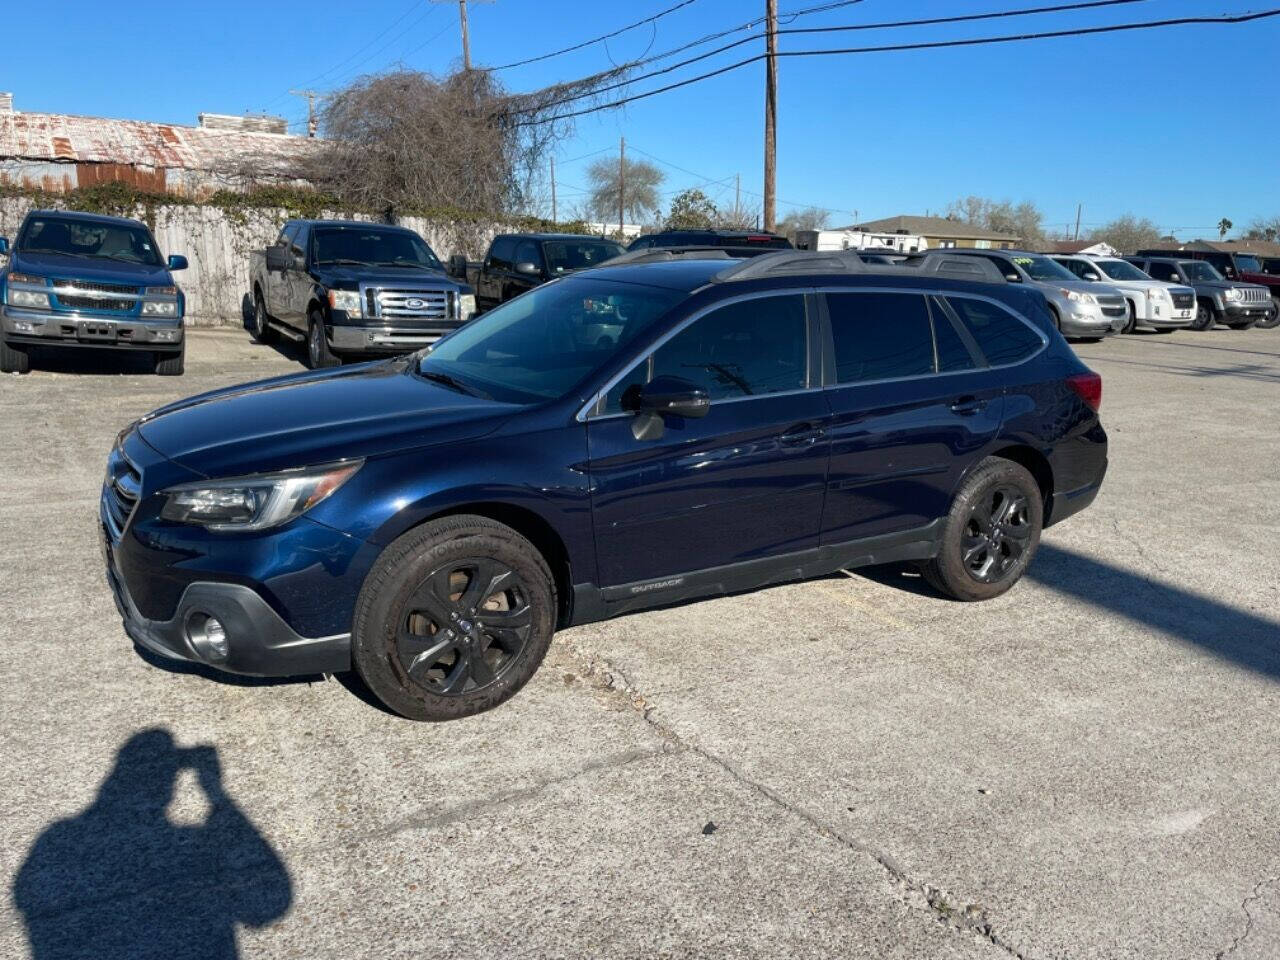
(539, 345)
(1197, 271)
(384, 248)
(1247, 261)
(1121, 270)
(566, 255)
(89, 238)
(1042, 268)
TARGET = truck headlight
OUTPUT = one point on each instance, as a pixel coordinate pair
(28, 298)
(255, 503)
(466, 306)
(1232, 293)
(159, 308)
(346, 300)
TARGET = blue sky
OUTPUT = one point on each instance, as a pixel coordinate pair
(1174, 124)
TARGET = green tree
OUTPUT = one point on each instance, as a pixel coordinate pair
(1224, 227)
(690, 210)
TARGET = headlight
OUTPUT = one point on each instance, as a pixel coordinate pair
(26, 278)
(1159, 293)
(348, 300)
(1232, 293)
(28, 298)
(159, 308)
(466, 305)
(1077, 297)
(255, 503)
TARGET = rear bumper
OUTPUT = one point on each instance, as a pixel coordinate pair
(259, 642)
(1071, 502)
(44, 328)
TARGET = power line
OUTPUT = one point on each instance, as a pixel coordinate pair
(883, 25)
(586, 43)
(901, 47)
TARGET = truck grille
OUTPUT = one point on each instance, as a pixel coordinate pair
(95, 303)
(119, 493)
(410, 304)
(97, 287)
(1183, 300)
(1113, 306)
(1254, 294)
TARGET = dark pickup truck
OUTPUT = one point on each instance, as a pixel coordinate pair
(1242, 268)
(517, 262)
(352, 289)
(82, 280)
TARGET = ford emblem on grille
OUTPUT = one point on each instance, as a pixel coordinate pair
(415, 303)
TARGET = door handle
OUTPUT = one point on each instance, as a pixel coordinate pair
(968, 406)
(803, 436)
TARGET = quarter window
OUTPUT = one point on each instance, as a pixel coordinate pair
(880, 336)
(753, 347)
(953, 354)
(1001, 336)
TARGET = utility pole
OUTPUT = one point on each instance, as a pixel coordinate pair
(554, 218)
(466, 35)
(622, 180)
(1079, 208)
(737, 198)
(311, 96)
(770, 115)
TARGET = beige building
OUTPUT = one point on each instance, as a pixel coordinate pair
(940, 232)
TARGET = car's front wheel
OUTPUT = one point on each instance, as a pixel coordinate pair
(1273, 319)
(454, 618)
(1131, 324)
(1206, 317)
(991, 533)
(170, 364)
(319, 355)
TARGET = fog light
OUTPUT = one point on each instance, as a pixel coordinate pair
(23, 326)
(208, 636)
(165, 335)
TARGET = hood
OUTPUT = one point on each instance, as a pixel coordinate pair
(90, 268)
(1084, 286)
(316, 417)
(349, 276)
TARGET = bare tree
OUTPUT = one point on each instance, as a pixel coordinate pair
(1263, 228)
(809, 218)
(637, 182)
(1024, 220)
(1127, 233)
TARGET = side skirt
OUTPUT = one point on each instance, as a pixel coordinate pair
(592, 603)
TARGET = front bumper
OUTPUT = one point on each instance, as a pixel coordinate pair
(1240, 312)
(1085, 320)
(259, 642)
(353, 339)
(48, 328)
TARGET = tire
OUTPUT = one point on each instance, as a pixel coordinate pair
(171, 364)
(426, 585)
(1266, 323)
(979, 556)
(319, 355)
(1057, 320)
(1206, 316)
(1243, 325)
(14, 359)
(261, 323)
(1131, 324)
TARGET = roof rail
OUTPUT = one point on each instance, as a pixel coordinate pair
(659, 254)
(934, 263)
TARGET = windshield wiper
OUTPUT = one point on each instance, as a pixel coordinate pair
(358, 263)
(452, 382)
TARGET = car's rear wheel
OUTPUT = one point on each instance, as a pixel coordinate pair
(13, 359)
(319, 355)
(170, 364)
(261, 329)
(991, 533)
(1206, 316)
(1266, 323)
(454, 618)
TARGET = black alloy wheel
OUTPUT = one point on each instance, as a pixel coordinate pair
(997, 533)
(1205, 318)
(462, 628)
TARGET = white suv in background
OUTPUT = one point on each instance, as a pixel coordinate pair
(1152, 303)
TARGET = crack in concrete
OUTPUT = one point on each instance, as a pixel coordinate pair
(1248, 917)
(1142, 551)
(971, 919)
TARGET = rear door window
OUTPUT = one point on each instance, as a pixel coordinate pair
(1002, 337)
(880, 336)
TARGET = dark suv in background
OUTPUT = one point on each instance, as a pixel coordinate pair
(666, 428)
(744, 241)
(1218, 300)
(1244, 270)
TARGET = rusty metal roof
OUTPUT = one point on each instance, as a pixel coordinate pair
(73, 139)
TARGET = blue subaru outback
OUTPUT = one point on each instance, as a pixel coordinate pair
(666, 427)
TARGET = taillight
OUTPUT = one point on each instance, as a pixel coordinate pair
(1088, 387)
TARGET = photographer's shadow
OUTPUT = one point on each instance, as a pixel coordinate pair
(122, 880)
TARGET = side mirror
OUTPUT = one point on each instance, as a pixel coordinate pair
(1090, 275)
(177, 261)
(276, 258)
(458, 266)
(669, 397)
(1013, 278)
(527, 268)
(4, 245)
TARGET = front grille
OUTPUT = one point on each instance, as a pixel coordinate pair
(1113, 306)
(410, 303)
(120, 493)
(97, 287)
(1254, 294)
(1184, 301)
(95, 303)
